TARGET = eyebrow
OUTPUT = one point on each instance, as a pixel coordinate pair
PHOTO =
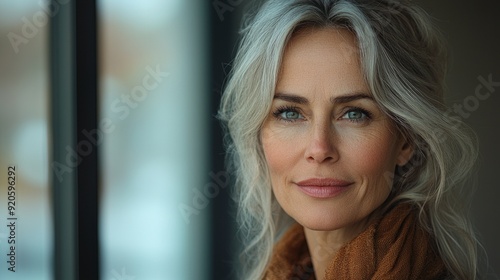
(350, 97)
(339, 99)
(291, 98)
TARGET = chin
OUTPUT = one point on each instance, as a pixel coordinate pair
(320, 219)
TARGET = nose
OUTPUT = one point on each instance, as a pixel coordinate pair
(321, 146)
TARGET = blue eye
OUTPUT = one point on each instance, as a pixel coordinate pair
(356, 115)
(288, 114)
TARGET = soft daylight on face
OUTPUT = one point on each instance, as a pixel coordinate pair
(329, 148)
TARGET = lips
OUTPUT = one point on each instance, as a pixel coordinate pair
(323, 187)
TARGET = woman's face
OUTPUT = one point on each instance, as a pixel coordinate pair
(330, 150)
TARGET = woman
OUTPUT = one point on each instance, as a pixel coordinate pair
(347, 164)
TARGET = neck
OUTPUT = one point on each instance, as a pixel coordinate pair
(323, 245)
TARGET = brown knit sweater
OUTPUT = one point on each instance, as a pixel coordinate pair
(393, 248)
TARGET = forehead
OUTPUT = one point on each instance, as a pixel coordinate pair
(335, 40)
(321, 59)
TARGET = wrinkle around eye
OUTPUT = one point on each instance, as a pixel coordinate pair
(288, 114)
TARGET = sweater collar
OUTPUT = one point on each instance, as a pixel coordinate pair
(392, 247)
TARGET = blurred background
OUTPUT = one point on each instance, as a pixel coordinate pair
(162, 205)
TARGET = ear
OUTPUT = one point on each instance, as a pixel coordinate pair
(405, 152)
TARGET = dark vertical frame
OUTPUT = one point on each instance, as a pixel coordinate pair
(86, 123)
(63, 123)
(223, 242)
(73, 59)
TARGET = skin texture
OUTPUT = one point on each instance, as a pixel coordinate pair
(324, 124)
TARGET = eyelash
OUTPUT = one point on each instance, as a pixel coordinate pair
(280, 110)
(361, 110)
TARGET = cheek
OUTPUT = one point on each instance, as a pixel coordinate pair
(373, 146)
(283, 151)
(373, 157)
(278, 150)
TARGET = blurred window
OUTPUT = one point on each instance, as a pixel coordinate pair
(25, 141)
(153, 96)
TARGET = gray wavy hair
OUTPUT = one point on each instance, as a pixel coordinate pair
(404, 64)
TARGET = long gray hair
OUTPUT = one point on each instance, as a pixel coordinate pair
(404, 64)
